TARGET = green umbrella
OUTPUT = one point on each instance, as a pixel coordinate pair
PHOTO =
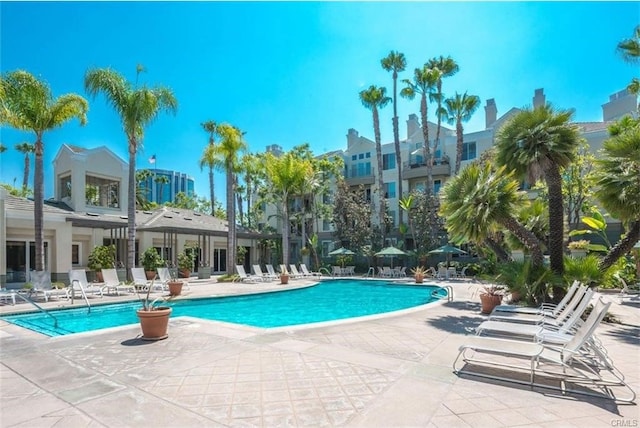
(448, 250)
(341, 252)
(390, 252)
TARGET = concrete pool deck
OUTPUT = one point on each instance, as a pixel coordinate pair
(392, 371)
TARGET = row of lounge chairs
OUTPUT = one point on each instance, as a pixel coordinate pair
(551, 347)
(271, 275)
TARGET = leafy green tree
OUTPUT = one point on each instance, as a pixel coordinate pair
(142, 192)
(285, 178)
(352, 216)
(191, 202)
(28, 105)
(396, 62)
(425, 80)
(26, 149)
(629, 49)
(375, 98)
(208, 158)
(617, 179)
(447, 67)
(459, 109)
(137, 108)
(477, 198)
(540, 142)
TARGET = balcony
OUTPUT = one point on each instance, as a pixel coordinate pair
(418, 169)
(355, 179)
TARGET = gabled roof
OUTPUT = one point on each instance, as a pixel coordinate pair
(593, 126)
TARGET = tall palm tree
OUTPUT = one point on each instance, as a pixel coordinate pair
(425, 79)
(3, 148)
(251, 166)
(142, 192)
(629, 49)
(459, 109)
(286, 177)
(375, 98)
(448, 67)
(161, 180)
(208, 160)
(227, 154)
(28, 105)
(396, 62)
(540, 142)
(477, 199)
(618, 184)
(137, 108)
(25, 149)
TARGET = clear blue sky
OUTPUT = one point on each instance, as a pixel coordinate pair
(290, 72)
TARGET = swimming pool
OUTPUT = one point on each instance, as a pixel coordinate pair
(329, 300)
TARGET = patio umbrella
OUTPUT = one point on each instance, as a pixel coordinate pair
(448, 250)
(341, 252)
(390, 252)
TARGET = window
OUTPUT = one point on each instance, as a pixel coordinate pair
(419, 187)
(436, 186)
(65, 187)
(326, 225)
(469, 150)
(390, 190)
(75, 254)
(354, 157)
(102, 192)
(326, 245)
(367, 155)
(388, 161)
(367, 194)
(361, 156)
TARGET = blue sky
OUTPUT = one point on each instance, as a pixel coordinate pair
(289, 73)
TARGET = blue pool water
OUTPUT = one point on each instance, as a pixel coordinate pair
(327, 301)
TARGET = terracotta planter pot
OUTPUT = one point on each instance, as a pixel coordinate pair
(99, 277)
(154, 323)
(284, 279)
(185, 273)
(151, 274)
(175, 288)
(419, 279)
(489, 302)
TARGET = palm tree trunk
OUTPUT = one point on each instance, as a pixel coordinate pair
(239, 208)
(527, 238)
(381, 212)
(500, 253)
(459, 144)
(426, 148)
(286, 227)
(622, 247)
(231, 219)
(556, 219)
(131, 206)
(211, 192)
(38, 203)
(396, 142)
(25, 178)
(439, 88)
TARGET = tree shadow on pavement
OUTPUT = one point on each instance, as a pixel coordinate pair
(460, 324)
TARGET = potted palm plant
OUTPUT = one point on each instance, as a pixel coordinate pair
(154, 319)
(490, 297)
(418, 273)
(579, 248)
(151, 260)
(284, 276)
(102, 257)
(185, 263)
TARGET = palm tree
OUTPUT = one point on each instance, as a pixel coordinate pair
(448, 67)
(137, 108)
(618, 184)
(161, 180)
(458, 109)
(375, 98)
(26, 149)
(629, 49)
(477, 199)
(227, 157)
(251, 165)
(208, 160)
(3, 148)
(286, 177)
(396, 62)
(539, 142)
(424, 81)
(142, 177)
(28, 105)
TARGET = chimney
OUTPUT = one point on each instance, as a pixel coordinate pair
(352, 137)
(490, 112)
(412, 125)
(539, 100)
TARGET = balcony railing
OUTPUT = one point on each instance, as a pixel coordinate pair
(354, 178)
(415, 169)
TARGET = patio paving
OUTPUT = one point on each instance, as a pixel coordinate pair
(391, 371)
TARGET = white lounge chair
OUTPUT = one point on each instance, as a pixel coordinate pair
(80, 286)
(561, 367)
(140, 281)
(627, 292)
(293, 271)
(545, 307)
(246, 278)
(257, 271)
(41, 286)
(272, 271)
(113, 284)
(307, 273)
(164, 276)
